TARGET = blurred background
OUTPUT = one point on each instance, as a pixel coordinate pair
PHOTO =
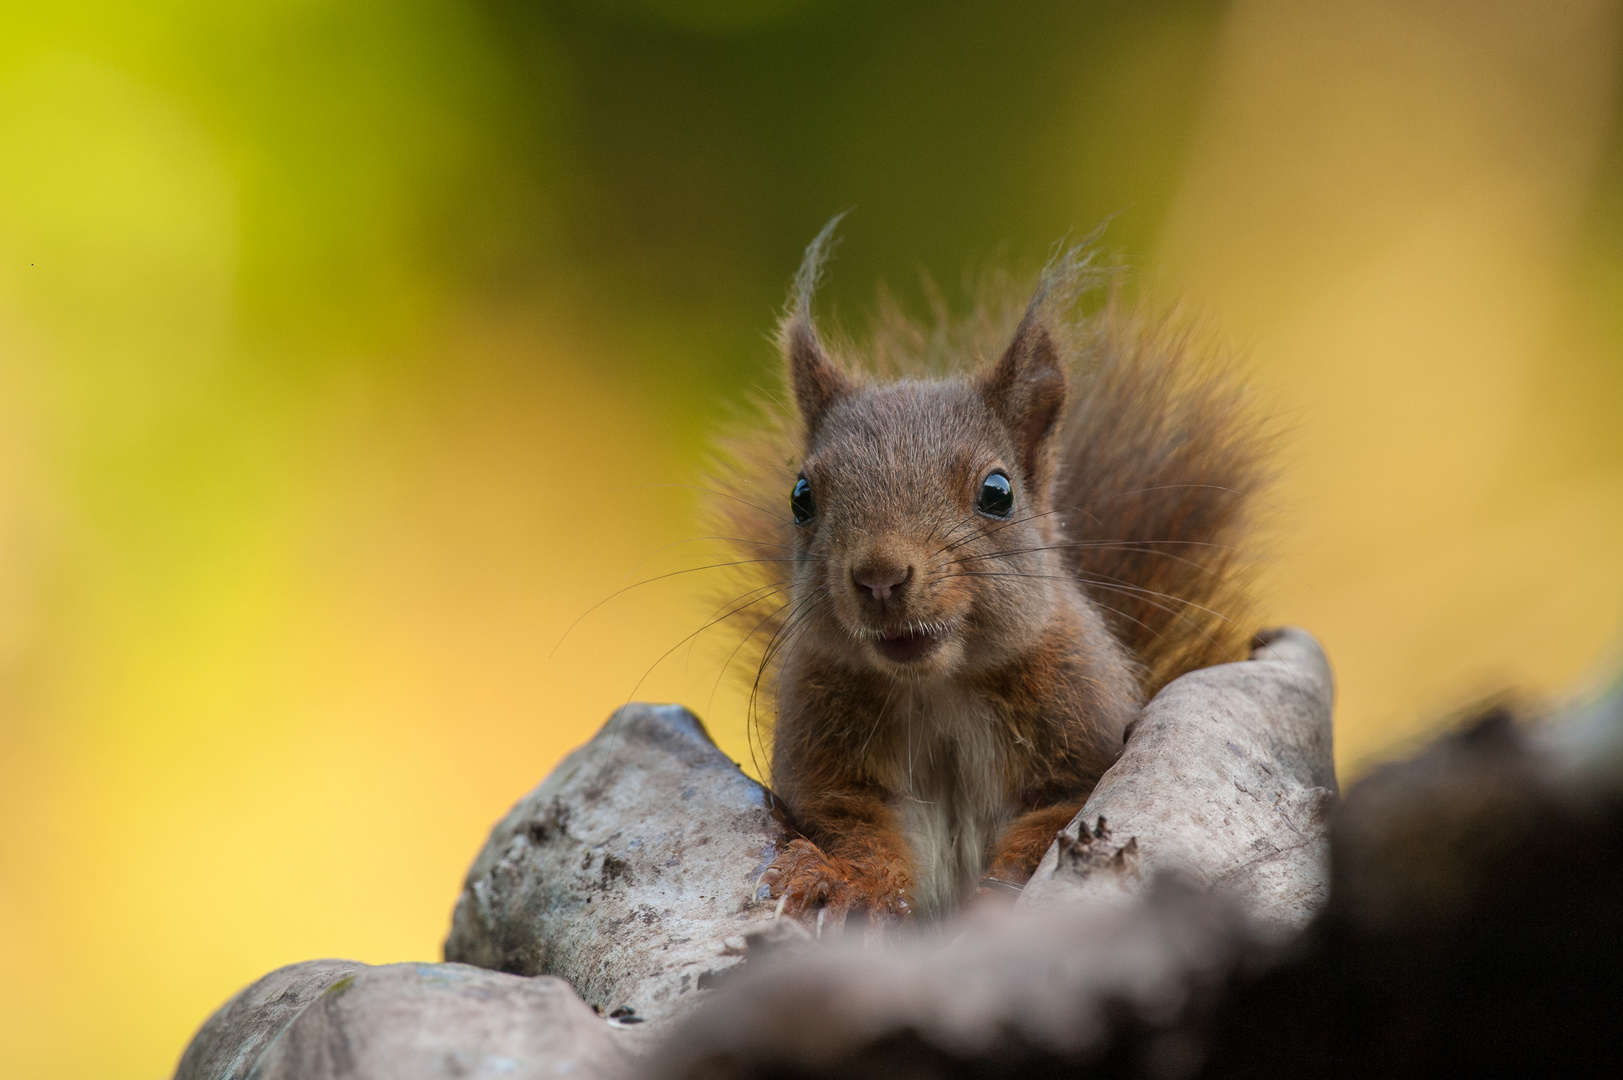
(350, 351)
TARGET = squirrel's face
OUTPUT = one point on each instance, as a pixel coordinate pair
(924, 536)
(921, 546)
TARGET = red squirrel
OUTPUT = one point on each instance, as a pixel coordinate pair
(986, 571)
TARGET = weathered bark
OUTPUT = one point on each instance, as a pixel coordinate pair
(630, 871)
(230, 1041)
(328, 1019)
(1227, 780)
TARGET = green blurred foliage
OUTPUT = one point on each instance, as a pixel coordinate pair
(368, 163)
(704, 156)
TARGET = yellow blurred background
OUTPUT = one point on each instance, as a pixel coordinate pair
(350, 351)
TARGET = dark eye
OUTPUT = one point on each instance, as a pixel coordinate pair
(997, 496)
(801, 501)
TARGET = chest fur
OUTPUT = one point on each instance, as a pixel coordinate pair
(946, 762)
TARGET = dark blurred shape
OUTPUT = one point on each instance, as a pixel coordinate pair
(1475, 924)
(1475, 928)
(1080, 992)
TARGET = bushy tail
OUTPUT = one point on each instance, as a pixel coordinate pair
(1162, 463)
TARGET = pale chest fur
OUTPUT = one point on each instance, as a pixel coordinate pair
(946, 759)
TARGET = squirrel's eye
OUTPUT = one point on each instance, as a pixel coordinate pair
(996, 497)
(801, 501)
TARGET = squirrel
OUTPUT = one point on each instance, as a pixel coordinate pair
(986, 570)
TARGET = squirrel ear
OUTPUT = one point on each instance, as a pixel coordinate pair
(1026, 390)
(818, 382)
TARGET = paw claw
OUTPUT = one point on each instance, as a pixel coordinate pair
(804, 880)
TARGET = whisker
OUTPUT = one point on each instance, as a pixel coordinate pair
(766, 588)
(650, 670)
(745, 640)
(1104, 583)
(752, 733)
(965, 520)
(712, 491)
(1082, 507)
(766, 591)
(798, 615)
(701, 539)
(1116, 545)
(649, 581)
(1171, 487)
(1180, 613)
(879, 718)
(1009, 524)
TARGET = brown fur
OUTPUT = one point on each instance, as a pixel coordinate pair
(910, 775)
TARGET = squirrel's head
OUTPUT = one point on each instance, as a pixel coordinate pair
(924, 530)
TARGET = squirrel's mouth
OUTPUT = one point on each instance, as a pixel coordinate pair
(907, 645)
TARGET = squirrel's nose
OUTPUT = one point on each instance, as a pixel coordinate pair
(881, 580)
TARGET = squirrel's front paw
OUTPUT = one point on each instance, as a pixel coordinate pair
(803, 880)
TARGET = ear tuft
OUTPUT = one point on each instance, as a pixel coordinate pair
(818, 382)
(1026, 390)
(1027, 387)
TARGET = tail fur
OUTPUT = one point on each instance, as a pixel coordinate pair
(1162, 467)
